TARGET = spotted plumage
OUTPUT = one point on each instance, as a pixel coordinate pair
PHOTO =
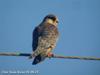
(45, 37)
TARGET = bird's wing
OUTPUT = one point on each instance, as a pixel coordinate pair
(35, 37)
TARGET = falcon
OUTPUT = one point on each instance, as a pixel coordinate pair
(44, 39)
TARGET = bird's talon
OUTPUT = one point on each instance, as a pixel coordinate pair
(30, 57)
(50, 55)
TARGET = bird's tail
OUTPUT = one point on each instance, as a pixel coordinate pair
(38, 59)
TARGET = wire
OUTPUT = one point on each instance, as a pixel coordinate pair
(54, 56)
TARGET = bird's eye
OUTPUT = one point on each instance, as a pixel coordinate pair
(57, 21)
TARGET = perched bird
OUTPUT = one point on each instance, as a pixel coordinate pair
(45, 36)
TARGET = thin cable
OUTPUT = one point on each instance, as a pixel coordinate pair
(54, 56)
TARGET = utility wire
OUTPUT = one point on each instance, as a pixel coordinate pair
(54, 56)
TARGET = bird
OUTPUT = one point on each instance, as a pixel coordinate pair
(44, 38)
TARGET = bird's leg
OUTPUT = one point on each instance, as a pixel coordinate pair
(50, 54)
(35, 53)
(32, 55)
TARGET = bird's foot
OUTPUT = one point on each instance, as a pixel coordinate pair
(50, 55)
(31, 56)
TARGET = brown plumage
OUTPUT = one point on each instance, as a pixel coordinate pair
(44, 38)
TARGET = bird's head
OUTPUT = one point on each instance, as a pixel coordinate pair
(51, 19)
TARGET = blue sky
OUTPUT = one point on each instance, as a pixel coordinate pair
(79, 27)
